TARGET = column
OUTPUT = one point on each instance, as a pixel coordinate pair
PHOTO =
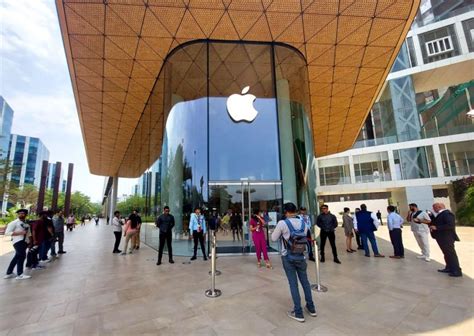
(438, 161)
(56, 182)
(391, 162)
(175, 188)
(352, 169)
(67, 199)
(112, 199)
(287, 156)
(42, 188)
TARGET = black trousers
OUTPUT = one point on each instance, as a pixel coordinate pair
(199, 236)
(445, 241)
(397, 242)
(358, 240)
(332, 240)
(166, 237)
(118, 238)
(19, 258)
(32, 257)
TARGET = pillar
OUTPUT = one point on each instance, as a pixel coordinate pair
(287, 155)
(67, 198)
(175, 188)
(112, 199)
(42, 188)
(56, 182)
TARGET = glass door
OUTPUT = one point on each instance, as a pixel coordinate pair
(233, 202)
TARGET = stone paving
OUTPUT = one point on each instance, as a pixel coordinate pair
(90, 291)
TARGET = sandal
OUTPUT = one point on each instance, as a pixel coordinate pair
(268, 265)
(259, 264)
(349, 251)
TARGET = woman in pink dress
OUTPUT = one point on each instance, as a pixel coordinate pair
(257, 224)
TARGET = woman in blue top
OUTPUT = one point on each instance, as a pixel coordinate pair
(197, 225)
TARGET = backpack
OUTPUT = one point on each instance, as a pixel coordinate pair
(296, 244)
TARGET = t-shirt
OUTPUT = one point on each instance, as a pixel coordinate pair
(38, 228)
(282, 230)
(420, 227)
(17, 226)
(58, 222)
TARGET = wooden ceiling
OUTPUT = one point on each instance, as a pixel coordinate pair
(115, 50)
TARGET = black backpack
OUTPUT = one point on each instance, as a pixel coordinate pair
(296, 244)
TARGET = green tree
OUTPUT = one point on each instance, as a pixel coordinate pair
(133, 202)
(25, 196)
(465, 212)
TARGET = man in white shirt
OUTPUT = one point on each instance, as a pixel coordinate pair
(19, 231)
(395, 224)
(117, 227)
(420, 229)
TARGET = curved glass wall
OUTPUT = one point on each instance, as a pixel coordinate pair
(224, 150)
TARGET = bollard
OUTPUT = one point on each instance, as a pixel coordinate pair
(213, 292)
(214, 237)
(317, 287)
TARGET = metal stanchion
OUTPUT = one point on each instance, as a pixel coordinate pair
(213, 292)
(317, 287)
(214, 237)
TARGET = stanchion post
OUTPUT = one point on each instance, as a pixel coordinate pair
(317, 287)
(213, 292)
(215, 238)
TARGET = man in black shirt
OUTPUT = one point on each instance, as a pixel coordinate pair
(328, 224)
(165, 223)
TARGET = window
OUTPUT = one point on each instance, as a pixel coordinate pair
(468, 27)
(372, 167)
(414, 163)
(439, 46)
(334, 171)
(458, 158)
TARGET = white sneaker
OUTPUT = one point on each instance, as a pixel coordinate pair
(427, 259)
(9, 276)
(23, 277)
(421, 256)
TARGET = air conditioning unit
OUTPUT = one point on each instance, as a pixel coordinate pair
(439, 46)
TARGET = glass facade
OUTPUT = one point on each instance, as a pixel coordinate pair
(226, 150)
(372, 167)
(458, 158)
(414, 163)
(334, 171)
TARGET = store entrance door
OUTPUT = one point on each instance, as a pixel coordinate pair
(233, 202)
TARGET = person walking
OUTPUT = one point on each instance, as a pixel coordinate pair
(19, 230)
(395, 224)
(307, 221)
(131, 229)
(236, 226)
(136, 239)
(83, 220)
(291, 232)
(348, 224)
(70, 222)
(58, 223)
(366, 223)
(443, 229)
(327, 222)
(117, 224)
(420, 229)
(165, 223)
(257, 226)
(197, 226)
(379, 217)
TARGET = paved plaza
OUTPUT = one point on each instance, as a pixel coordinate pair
(90, 291)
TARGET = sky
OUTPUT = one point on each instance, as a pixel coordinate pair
(35, 82)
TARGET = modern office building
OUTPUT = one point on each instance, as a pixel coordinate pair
(26, 155)
(235, 98)
(52, 175)
(6, 121)
(418, 136)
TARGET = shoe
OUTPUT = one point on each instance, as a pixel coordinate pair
(349, 251)
(130, 252)
(300, 318)
(23, 277)
(9, 276)
(367, 255)
(205, 258)
(123, 253)
(353, 250)
(312, 259)
(427, 259)
(268, 265)
(137, 248)
(379, 256)
(259, 264)
(444, 270)
(40, 267)
(158, 263)
(455, 274)
(311, 312)
(116, 251)
(395, 257)
(421, 256)
(62, 252)
(171, 261)
(360, 248)
(322, 259)
(193, 258)
(337, 261)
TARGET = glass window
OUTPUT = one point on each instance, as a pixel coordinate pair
(334, 171)
(414, 163)
(432, 41)
(468, 27)
(372, 167)
(458, 158)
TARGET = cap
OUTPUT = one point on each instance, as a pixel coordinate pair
(22, 210)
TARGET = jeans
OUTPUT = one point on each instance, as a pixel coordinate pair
(296, 269)
(19, 258)
(165, 237)
(44, 248)
(32, 257)
(371, 236)
(118, 238)
(397, 242)
(332, 240)
(60, 238)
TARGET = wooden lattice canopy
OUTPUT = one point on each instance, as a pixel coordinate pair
(115, 50)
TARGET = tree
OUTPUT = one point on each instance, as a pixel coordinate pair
(24, 196)
(135, 202)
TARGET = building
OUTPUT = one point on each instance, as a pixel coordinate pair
(6, 121)
(233, 98)
(52, 175)
(418, 136)
(26, 155)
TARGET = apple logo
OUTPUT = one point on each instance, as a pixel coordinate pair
(240, 106)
